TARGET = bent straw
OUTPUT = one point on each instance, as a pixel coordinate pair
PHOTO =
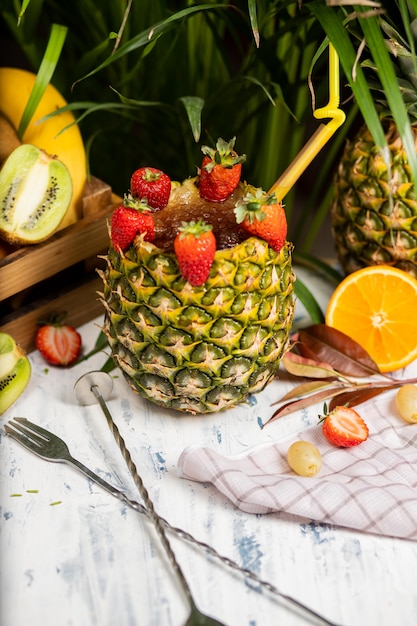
(320, 137)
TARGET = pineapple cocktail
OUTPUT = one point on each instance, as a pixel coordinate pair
(199, 292)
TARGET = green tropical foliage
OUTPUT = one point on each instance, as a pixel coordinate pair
(372, 39)
(151, 81)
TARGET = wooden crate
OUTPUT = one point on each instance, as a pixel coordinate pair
(58, 274)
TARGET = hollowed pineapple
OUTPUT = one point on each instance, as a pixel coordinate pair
(198, 349)
(374, 211)
(374, 214)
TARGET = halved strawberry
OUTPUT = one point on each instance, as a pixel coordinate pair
(261, 215)
(58, 343)
(220, 171)
(152, 185)
(127, 220)
(344, 427)
(195, 246)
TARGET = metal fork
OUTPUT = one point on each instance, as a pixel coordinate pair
(50, 447)
(55, 449)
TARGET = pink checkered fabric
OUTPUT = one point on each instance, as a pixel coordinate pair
(371, 487)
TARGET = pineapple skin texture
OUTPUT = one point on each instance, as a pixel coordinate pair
(199, 349)
(369, 226)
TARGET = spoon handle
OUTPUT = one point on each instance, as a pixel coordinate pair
(153, 515)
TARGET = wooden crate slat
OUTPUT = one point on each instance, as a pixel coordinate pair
(58, 274)
(30, 265)
(81, 303)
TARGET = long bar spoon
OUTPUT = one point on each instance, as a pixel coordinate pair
(50, 447)
(97, 386)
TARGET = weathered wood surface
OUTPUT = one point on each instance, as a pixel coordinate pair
(73, 555)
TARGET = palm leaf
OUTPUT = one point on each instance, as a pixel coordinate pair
(370, 24)
(333, 23)
(378, 49)
(310, 303)
(44, 75)
(148, 35)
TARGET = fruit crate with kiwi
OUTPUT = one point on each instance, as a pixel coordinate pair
(58, 274)
(53, 218)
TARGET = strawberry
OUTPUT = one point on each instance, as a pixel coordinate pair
(58, 343)
(220, 171)
(195, 246)
(344, 427)
(128, 219)
(261, 215)
(152, 185)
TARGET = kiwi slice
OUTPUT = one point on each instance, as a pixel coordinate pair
(15, 371)
(35, 193)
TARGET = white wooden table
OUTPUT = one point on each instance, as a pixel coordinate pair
(72, 555)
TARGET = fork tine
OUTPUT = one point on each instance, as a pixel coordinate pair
(30, 429)
(25, 439)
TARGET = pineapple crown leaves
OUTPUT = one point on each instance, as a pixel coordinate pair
(134, 203)
(223, 154)
(195, 228)
(250, 206)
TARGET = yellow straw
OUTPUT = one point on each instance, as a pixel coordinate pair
(321, 136)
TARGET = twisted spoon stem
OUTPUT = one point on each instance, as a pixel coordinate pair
(225, 560)
(153, 515)
(160, 523)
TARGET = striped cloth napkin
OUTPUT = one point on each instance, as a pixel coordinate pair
(370, 487)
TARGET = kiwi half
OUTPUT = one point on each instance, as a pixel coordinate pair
(35, 193)
(15, 371)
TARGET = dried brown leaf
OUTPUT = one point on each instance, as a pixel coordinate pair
(353, 398)
(300, 366)
(305, 389)
(296, 405)
(328, 345)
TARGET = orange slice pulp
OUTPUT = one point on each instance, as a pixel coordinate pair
(376, 306)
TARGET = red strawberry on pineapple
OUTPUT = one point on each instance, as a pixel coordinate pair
(344, 427)
(220, 171)
(262, 216)
(129, 219)
(195, 246)
(151, 184)
(58, 343)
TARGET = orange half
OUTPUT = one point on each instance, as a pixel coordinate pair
(377, 307)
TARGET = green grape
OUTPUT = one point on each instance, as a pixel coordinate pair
(406, 401)
(304, 458)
